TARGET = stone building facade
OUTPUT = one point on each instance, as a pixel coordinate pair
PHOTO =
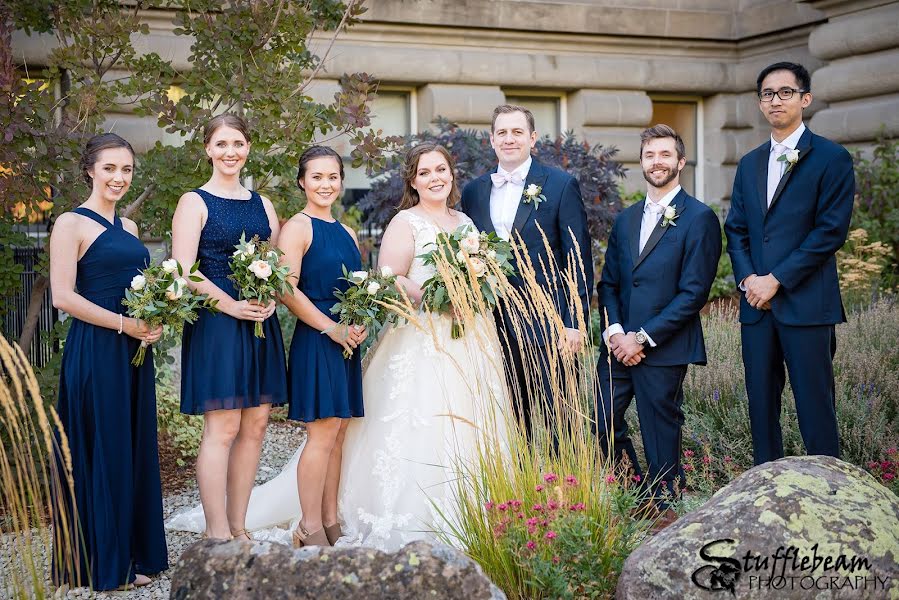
(608, 68)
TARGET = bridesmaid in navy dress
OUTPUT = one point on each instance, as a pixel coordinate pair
(228, 375)
(325, 388)
(107, 407)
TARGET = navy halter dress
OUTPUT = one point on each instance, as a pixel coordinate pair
(108, 411)
(223, 364)
(322, 382)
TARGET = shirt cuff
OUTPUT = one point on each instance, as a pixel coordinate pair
(652, 344)
(610, 331)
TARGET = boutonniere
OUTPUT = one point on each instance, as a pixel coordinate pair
(533, 193)
(791, 157)
(669, 216)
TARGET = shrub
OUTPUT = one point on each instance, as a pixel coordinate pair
(861, 265)
(877, 199)
(183, 431)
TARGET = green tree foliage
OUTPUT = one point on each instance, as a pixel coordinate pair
(250, 57)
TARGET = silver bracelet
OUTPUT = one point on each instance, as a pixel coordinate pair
(121, 323)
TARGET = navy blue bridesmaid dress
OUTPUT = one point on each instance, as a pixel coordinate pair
(108, 411)
(322, 382)
(223, 364)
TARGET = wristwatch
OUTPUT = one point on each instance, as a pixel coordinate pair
(641, 338)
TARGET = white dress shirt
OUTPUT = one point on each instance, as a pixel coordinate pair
(652, 212)
(504, 200)
(776, 168)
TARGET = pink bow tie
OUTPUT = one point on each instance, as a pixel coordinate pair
(501, 179)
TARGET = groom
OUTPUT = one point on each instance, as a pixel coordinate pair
(660, 263)
(498, 202)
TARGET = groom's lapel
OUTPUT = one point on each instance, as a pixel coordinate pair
(761, 177)
(635, 220)
(659, 231)
(804, 146)
(536, 174)
(482, 203)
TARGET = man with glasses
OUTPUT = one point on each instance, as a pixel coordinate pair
(790, 210)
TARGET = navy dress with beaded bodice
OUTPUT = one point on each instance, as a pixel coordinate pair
(107, 408)
(322, 382)
(224, 365)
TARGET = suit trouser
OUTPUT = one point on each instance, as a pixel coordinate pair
(660, 396)
(808, 353)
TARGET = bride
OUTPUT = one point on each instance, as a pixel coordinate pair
(432, 403)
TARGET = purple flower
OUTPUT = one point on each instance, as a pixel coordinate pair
(531, 545)
(539, 488)
(550, 477)
(489, 505)
(571, 480)
(550, 535)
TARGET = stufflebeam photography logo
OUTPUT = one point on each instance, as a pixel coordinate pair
(787, 568)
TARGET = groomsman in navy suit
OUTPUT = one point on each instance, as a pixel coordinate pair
(496, 202)
(659, 267)
(789, 214)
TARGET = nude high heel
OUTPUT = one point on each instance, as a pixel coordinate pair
(302, 538)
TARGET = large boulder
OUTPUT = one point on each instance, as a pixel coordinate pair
(267, 571)
(799, 527)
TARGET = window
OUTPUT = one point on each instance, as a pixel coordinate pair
(547, 109)
(391, 112)
(682, 115)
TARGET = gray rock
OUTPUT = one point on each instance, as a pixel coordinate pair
(262, 570)
(812, 507)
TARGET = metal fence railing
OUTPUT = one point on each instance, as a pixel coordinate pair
(41, 349)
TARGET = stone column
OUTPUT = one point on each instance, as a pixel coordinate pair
(470, 106)
(613, 118)
(860, 81)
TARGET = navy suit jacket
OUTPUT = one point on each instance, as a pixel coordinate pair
(797, 238)
(562, 210)
(663, 288)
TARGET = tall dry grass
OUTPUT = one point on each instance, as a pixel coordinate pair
(543, 514)
(28, 472)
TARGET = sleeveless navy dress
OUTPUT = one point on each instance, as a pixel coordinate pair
(108, 411)
(322, 382)
(223, 364)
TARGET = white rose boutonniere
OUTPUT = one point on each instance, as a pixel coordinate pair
(791, 157)
(533, 193)
(669, 216)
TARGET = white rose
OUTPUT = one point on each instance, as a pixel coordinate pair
(176, 290)
(261, 269)
(138, 282)
(460, 256)
(792, 155)
(491, 254)
(670, 212)
(170, 265)
(532, 190)
(251, 248)
(373, 287)
(358, 277)
(470, 243)
(386, 271)
(478, 267)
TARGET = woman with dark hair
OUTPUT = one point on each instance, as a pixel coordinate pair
(325, 389)
(432, 403)
(228, 375)
(112, 525)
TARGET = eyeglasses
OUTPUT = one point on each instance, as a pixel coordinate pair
(783, 93)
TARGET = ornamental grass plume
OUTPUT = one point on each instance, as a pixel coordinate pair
(34, 458)
(536, 511)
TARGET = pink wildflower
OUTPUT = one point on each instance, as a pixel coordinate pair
(873, 464)
(688, 453)
(550, 535)
(489, 505)
(610, 478)
(577, 507)
(728, 459)
(516, 504)
(531, 544)
(520, 515)
(537, 508)
(636, 478)
(688, 467)
(552, 505)
(571, 480)
(503, 506)
(550, 477)
(706, 460)
(556, 560)
(539, 488)
(532, 522)
(888, 476)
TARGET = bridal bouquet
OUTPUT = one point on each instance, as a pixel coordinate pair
(257, 272)
(365, 301)
(469, 254)
(159, 295)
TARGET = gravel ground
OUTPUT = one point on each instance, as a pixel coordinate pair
(281, 441)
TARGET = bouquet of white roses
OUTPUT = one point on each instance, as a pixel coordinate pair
(467, 253)
(159, 295)
(257, 272)
(365, 302)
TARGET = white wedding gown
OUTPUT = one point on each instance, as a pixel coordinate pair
(431, 404)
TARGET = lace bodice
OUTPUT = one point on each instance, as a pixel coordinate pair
(424, 233)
